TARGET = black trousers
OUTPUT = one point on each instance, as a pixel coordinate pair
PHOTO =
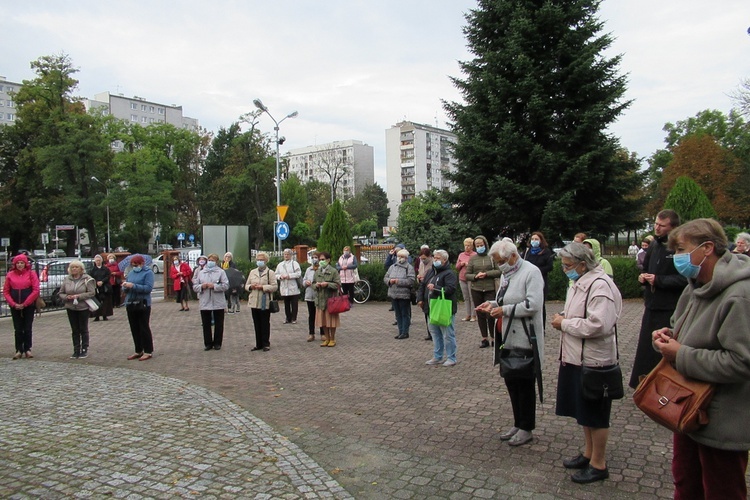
(23, 320)
(291, 306)
(485, 321)
(79, 326)
(262, 324)
(140, 329)
(311, 318)
(646, 357)
(523, 400)
(348, 288)
(217, 338)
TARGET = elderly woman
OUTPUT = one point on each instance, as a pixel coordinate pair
(138, 286)
(461, 263)
(542, 256)
(347, 267)
(115, 279)
(288, 272)
(439, 280)
(76, 288)
(400, 279)
(482, 272)
(21, 289)
(181, 275)
(261, 283)
(210, 285)
(742, 244)
(588, 327)
(307, 282)
(518, 309)
(708, 342)
(228, 261)
(326, 284)
(101, 275)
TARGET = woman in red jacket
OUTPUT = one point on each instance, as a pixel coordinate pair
(181, 274)
(115, 279)
(21, 290)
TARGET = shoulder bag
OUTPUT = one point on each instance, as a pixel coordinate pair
(515, 363)
(338, 303)
(273, 304)
(441, 310)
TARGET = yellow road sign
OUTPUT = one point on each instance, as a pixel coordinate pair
(282, 211)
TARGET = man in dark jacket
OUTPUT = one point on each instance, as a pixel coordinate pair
(663, 286)
(440, 278)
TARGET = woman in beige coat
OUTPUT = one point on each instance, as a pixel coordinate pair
(261, 283)
(76, 288)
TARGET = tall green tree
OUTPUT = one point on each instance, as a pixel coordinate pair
(539, 95)
(371, 202)
(688, 199)
(337, 232)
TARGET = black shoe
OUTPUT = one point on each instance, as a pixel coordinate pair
(401, 337)
(485, 343)
(579, 462)
(391, 309)
(217, 348)
(84, 354)
(105, 318)
(266, 349)
(589, 475)
(256, 348)
(395, 323)
(429, 337)
(397, 336)
(96, 319)
(208, 348)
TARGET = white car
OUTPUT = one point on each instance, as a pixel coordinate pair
(157, 264)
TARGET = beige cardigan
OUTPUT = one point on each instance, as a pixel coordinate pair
(268, 279)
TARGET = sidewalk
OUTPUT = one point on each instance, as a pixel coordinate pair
(365, 419)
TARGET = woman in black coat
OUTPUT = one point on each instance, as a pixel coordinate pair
(101, 275)
(542, 256)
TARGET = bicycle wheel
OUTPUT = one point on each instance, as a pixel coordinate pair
(361, 291)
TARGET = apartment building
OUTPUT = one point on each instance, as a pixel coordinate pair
(141, 111)
(7, 104)
(417, 158)
(351, 163)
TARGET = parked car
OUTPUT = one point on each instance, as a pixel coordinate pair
(157, 264)
(57, 253)
(39, 253)
(51, 275)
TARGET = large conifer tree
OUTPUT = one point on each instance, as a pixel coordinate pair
(533, 149)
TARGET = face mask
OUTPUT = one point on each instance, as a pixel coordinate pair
(535, 243)
(437, 264)
(401, 260)
(211, 264)
(480, 250)
(137, 269)
(202, 263)
(176, 262)
(260, 263)
(112, 261)
(315, 262)
(347, 254)
(572, 274)
(504, 268)
(323, 263)
(685, 267)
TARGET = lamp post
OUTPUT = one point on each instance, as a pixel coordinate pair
(259, 104)
(109, 242)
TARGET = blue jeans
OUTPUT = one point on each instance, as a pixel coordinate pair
(402, 307)
(444, 339)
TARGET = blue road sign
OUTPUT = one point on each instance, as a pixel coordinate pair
(191, 237)
(282, 230)
(180, 236)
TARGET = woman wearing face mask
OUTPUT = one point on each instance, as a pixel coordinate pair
(181, 274)
(588, 328)
(400, 279)
(308, 281)
(518, 309)
(709, 342)
(326, 283)
(439, 281)
(115, 280)
(288, 272)
(21, 289)
(101, 275)
(542, 257)
(346, 266)
(210, 285)
(138, 286)
(261, 283)
(461, 263)
(481, 273)
(75, 289)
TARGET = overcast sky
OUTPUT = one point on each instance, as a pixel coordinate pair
(354, 68)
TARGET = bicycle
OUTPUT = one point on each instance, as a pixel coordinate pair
(361, 291)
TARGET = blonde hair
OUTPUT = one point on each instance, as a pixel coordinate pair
(261, 256)
(700, 231)
(213, 256)
(76, 263)
(469, 241)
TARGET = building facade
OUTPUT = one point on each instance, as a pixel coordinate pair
(7, 104)
(141, 111)
(351, 164)
(417, 158)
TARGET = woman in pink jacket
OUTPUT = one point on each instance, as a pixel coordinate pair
(21, 289)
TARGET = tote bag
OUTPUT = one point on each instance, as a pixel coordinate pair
(441, 310)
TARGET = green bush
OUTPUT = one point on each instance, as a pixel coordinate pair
(625, 277)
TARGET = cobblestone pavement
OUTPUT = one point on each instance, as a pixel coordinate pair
(366, 418)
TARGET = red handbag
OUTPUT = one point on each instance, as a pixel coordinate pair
(338, 304)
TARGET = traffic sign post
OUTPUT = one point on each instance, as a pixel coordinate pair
(282, 230)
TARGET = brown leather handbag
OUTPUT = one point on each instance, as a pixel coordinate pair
(673, 400)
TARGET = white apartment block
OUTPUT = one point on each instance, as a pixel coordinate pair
(141, 111)
(417, 157)
(352, 160)
(7, 104)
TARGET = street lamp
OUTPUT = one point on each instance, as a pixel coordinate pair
(109, 243)
(259, 104)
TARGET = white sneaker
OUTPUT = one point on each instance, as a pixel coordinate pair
(449, 363)
(434, 361)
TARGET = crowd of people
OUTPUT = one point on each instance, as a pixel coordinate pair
(696, 316)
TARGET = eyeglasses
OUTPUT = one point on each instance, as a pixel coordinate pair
(568, 267)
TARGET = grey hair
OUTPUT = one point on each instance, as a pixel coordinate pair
(402, 253)
(441, 254)
(744, 237)
(578, 252)
(503, 249)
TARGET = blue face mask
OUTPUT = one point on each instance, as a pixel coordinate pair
(211, 264)
(572, 274)
(137, 269)
(480, 250)
(683, 265)
(535, 243)
(260, 263)
(437, 264)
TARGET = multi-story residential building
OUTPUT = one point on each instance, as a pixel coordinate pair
(417, 158)
(350, 163)
(7, 104)
(138, 110)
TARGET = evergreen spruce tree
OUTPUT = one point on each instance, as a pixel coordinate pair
(336, 232)
(689, 201)
(532, 149)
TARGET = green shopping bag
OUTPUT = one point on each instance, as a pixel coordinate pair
(441, 310)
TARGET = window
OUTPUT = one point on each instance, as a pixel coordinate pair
(143, 119)
(151, 109)
(151, 120)
(161, 111)
(133, 105)
(133, 118)
(11, 116)
(143, 108)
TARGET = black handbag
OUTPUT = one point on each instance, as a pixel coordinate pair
(601, 382)
(273, 306)
(515, 364)
(137, 306)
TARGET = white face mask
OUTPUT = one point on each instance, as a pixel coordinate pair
(112, 261)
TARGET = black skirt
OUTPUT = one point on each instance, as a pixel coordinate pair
(570, 402)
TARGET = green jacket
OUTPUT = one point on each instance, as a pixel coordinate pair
(328, 275)
(597, 248)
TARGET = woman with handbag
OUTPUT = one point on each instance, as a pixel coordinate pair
(261, 283)
(21, 289)
(76, 288)
(588, 339)
(137, 287)
(440, 281)
(400, 279)
(710, 343)
(327, 284)
(181, 275)
(517, 308)
(210, 285)
(101, 275)
(288, 272)
(307, 282)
